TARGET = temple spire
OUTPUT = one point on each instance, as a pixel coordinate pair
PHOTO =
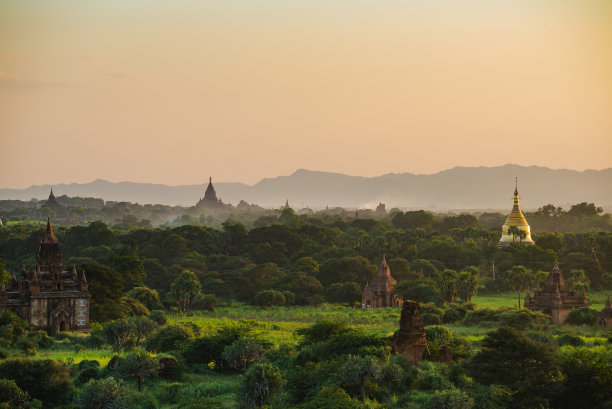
(49, 228)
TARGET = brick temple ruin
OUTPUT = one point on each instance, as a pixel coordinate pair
(48, 296)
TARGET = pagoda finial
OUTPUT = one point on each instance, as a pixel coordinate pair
(210, 179)
(83, 278)
(49, 229)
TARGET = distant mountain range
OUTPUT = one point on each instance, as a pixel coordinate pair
(458, 188)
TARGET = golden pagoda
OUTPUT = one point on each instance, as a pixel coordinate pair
(515, 226)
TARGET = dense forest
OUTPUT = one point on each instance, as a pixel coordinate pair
(248, 307)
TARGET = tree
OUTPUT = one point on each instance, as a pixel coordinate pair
(390, 373)
(258, 385)
(184, 288)
(510, 358)
(11, 396)
(103, 394)
(243, 353)
(118, 333)
(539, 279)
(514, 232)
(467, 283)
(172, 337)
(584, 209)
(106, 288)
(47, 380)
(588, 376)
(143, 326)
(269, 298)
(131, 268)
(147, 296)
(578, 281)
(446, 284)
(358, 369)
(137, 365)
(4, 275)
(519, 279)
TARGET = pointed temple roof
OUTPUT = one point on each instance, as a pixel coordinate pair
(515, 219)
(210, 198)
(51, 201)
(384, 276)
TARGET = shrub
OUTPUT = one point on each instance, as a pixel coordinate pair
(457, 311)
(158, 316)
(582, 316)
(206, 302)
(11, 396)
(210, 349)
(3, 354)
(27, 346)
(45, 379)
(542, 337)
(243, 353)
(331, 397)
(568, 339)
(450, 399)
(86, 374)
(269, 298)
(133, 307)
(432, 314)
(147, 296)
(521, 319)
(258, 385)
(103, 394)
(173, 337)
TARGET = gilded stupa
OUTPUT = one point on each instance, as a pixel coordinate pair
(515, 226)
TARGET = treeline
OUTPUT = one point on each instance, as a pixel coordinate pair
(302, 259)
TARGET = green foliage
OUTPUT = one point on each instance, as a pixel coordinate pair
(588, 376)
(258, 386)
(243, 353)
(118, 333)
(582, 316)
(27, 346)
(12, 327)
(510, 358)
(11, 396)
(45, 379)
(568, 339)
(519, 279)
(422, 291)
(268, 298)
(103, 394)
(450, 399)
(521, 319)
(331, 397)
(158, 316)
(184, 289)
(147, 296)
(172, 337)
(106, 287)
(133, 307)
(138, 364)
(143, 326)
(206, 302)
(211, 348)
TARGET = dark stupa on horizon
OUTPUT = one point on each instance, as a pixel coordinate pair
(210, 198)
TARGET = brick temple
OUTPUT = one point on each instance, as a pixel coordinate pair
(48, 296)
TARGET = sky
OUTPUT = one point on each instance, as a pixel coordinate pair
(174, 91)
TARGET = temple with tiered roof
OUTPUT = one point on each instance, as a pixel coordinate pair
(378, 293)
(51, 201)
(48, 296)
(515, 229)
(554, 299)
(210, 198)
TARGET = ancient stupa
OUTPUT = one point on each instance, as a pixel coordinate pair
(515, 220)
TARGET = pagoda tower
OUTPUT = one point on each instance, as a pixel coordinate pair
(379, 292)
(210, 198)
(51, 201)
(515, 223)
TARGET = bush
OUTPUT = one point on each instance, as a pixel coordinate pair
(432, 314)
(521, 319)
(210, 348)
(582, 316)
(27, 346)
(3, 354)
(11, 396)
(269, 298)
(158, 316)
(173, 337)
(206, 302)
(258, 385)
(456, 311)
(42, 339)
(450, 399)
(567, 339)
(86, 374)
(45, 379)
(542, 337)
(243, 353)
(103, 394)
(133, 307)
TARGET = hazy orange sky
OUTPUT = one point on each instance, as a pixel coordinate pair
(172, 91)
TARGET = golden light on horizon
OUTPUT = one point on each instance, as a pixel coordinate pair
(171, 92)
